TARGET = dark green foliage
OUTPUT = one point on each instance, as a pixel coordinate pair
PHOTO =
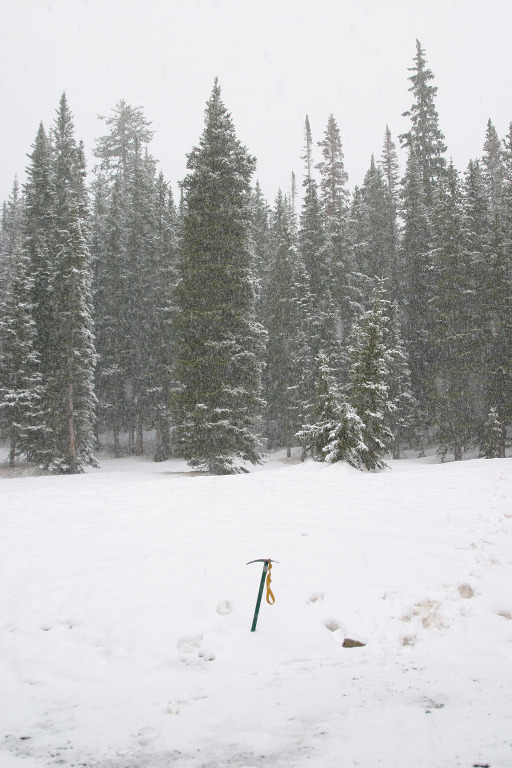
(218, 343)
(316, 256)
(336, 432)
(492, 444)
(425, 136)
(135, 241)
(391, 172)
(335, 210)
(402, 418)
(286, 303)
(197, 308)
(415, 282)
(10, 233)
(493, 168)
(369, 389)
(20, 381)
(69, 384)
(452, 323)
(374, 233)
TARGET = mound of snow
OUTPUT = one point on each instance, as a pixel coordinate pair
(126, 607)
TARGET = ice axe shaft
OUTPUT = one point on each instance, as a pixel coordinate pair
(267, 565)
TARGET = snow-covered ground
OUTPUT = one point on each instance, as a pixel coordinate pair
(126, 606)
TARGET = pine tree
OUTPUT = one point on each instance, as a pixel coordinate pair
(492, 443)
(70, 384)
(453, 325)
(140, 274)
(389, 165)
(507, 188)
(288, 368)
(161, 315)
(312, 235)
(493, 168)
(336, 433)
(260, 235)
(315, 256)
(217, 352)
(128, 129)
(415, 285)
(110, 292)
(134, 278)
(369, 389)
(375, 235)
(39, 240)
(477, 232)
(335, 209)
(497, 313)
(20, 381)
(10, 231)
(391, 172)
(425, 136)
(334, 178)
(401, 419)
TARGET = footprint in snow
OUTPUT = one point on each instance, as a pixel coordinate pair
(316, 597)
(224, 607)
(146, 736)
(189, 644)
(192, 645)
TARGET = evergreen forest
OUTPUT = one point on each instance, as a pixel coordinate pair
(354, 323)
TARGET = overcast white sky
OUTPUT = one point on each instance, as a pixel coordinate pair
(276, 61)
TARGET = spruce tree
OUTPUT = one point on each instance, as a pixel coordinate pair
(493, 167)
(507, 188)
(161, 315)
(497, 312)
(391, 172)
(335, 432)
(492, 442)
(134, 279)
(401, 419)
(39, 240)
(415, 286)
(140, 274)
(334, 200)
(110, 292)
(260, 235)
(375, 235)
(10, 232)
(453, 325)
(288, 369)
(315, 256)
(20, 380)
(217, 354)
(70, 385)
(369, 388)
(389, 165)
(477, 232)
(425, 136)
(128, 128)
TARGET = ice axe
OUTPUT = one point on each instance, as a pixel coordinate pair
(267, 567)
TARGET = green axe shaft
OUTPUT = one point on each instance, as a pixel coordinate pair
(260, 593)
(270, 597)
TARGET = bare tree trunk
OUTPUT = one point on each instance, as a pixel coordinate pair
(139, 444)
(71, 430)
(12, 451)
(115, 430)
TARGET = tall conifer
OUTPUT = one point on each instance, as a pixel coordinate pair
(425, 135)
(217, 361)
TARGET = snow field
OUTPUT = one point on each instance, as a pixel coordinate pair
(126, 607)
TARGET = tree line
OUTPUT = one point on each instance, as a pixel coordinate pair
(355, 324)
